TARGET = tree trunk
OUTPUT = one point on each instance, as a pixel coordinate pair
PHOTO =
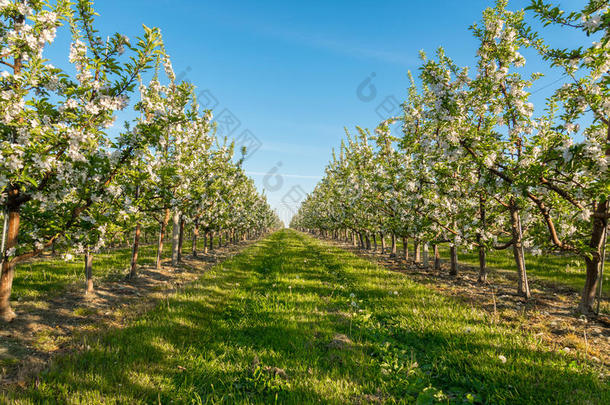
(134, 252)
(374, 242)
(354, 240)
(195, 235)
(405, 248)
(600, 227)
(437, 258)
(482, 265)
(8, 266)
(368, 242)
(175, 237)
(454, 260)
(161, 238)
(523, 288)
(89, 270)
(593, 262)
(181, 239)
(416, 252)
(425, 255)
(482, 252)
(205, 243)
(12, 231)
(382, 238)
(393, 252)
(211, 240)
(361, 240)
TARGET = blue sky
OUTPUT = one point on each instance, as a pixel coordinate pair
(289, 71)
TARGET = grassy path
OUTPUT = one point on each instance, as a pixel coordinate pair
(293, 320)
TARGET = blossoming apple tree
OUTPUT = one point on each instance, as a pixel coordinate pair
(56, 159)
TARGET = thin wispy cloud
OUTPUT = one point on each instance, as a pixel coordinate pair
(290, 176)
(317, 41)
(294, 149)
(345, 47)
(338, 46)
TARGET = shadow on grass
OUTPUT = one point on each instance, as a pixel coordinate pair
(294, 321)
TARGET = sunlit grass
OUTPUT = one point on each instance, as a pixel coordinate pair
(291, 320)
(48, 276)
(558, 269)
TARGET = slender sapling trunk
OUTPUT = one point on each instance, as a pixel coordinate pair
(89, 270)
(162, 237)
(454, 260)
(523, 288)
(437, 258)
(175, 237)
(133, 269)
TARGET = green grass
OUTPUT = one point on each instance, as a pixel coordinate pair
(561, 270)
(49, 276)
(283, 301)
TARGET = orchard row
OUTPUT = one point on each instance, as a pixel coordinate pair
(475, 164)
(70, 179)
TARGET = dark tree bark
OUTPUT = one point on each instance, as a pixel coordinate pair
(416, 252)
(425, 255)
(598, 236)
(523, 288)
(89, 270)
(13, 208)
(162, 230)
(133, 269)
(482, 251)
(454, 261)
(175, 237)
(593, 262)
(195, 236)
(181, 239)
(482, 265)
(437, 258)
(8, 266)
